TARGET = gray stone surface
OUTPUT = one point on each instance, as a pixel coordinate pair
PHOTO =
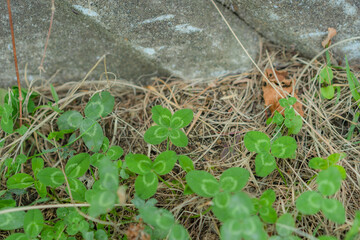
(303, 24)
(142, 38)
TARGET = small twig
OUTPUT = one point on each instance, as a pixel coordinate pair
(41, 67)
(49, 206)
(15, 61)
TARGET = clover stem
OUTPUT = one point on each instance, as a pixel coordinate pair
(308, 182)
(167, 144)
(282, 176)
(166, 183)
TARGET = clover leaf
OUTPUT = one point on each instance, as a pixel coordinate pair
(318, 163)
(309, 203)
(138, 163)
(264, 206)
(257, 142)
(20, 180)
(100, 201)
(327, 92)
(203, 183)
(52, 177)
(178, 232)
(114, 152)
(323, 164)
(333, 210)
(146, 185)
(285, 225)
(232, 206)
(326, 75)
(264, 164)
(77, 165)
(92, 134)
(69, 120)
(6, 118)
(77, 189)
(251, 229)
(100, 105)
(329, 181)
(164, 162)
(234, 179)
(178, 138)
(33, 223)
(181, 118)
(156, 134)
(284, 147)
(37, 164)
(161, 116)
(186, 163)
(12, 220)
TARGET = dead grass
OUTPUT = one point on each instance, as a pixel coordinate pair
(224, 109)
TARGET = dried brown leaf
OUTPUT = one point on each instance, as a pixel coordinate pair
(327, 41)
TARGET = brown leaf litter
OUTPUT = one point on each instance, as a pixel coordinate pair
(272, 95)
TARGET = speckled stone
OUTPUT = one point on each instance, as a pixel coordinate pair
(142, 38)
(303, 24)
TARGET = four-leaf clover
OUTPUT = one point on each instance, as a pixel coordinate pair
(168, 126)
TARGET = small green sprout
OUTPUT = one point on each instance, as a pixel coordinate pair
(325, 79)
(263, 206)
(354, 86)
(292, 121)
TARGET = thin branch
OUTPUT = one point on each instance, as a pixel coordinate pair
(15, 60)
(66, 205)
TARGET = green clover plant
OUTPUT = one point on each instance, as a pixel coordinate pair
(263, 206)
(231, 206)
(311, 202)
(323, 164)
(285, 226)
(162, 222)
(9, 109)
(325, 78)
(282, 147)
(102, 197)
(53, 177)
(147, 182)
(99, 106)
(168, 126)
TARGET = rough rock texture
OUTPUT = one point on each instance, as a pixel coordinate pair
(142, 38)
(303, 24)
